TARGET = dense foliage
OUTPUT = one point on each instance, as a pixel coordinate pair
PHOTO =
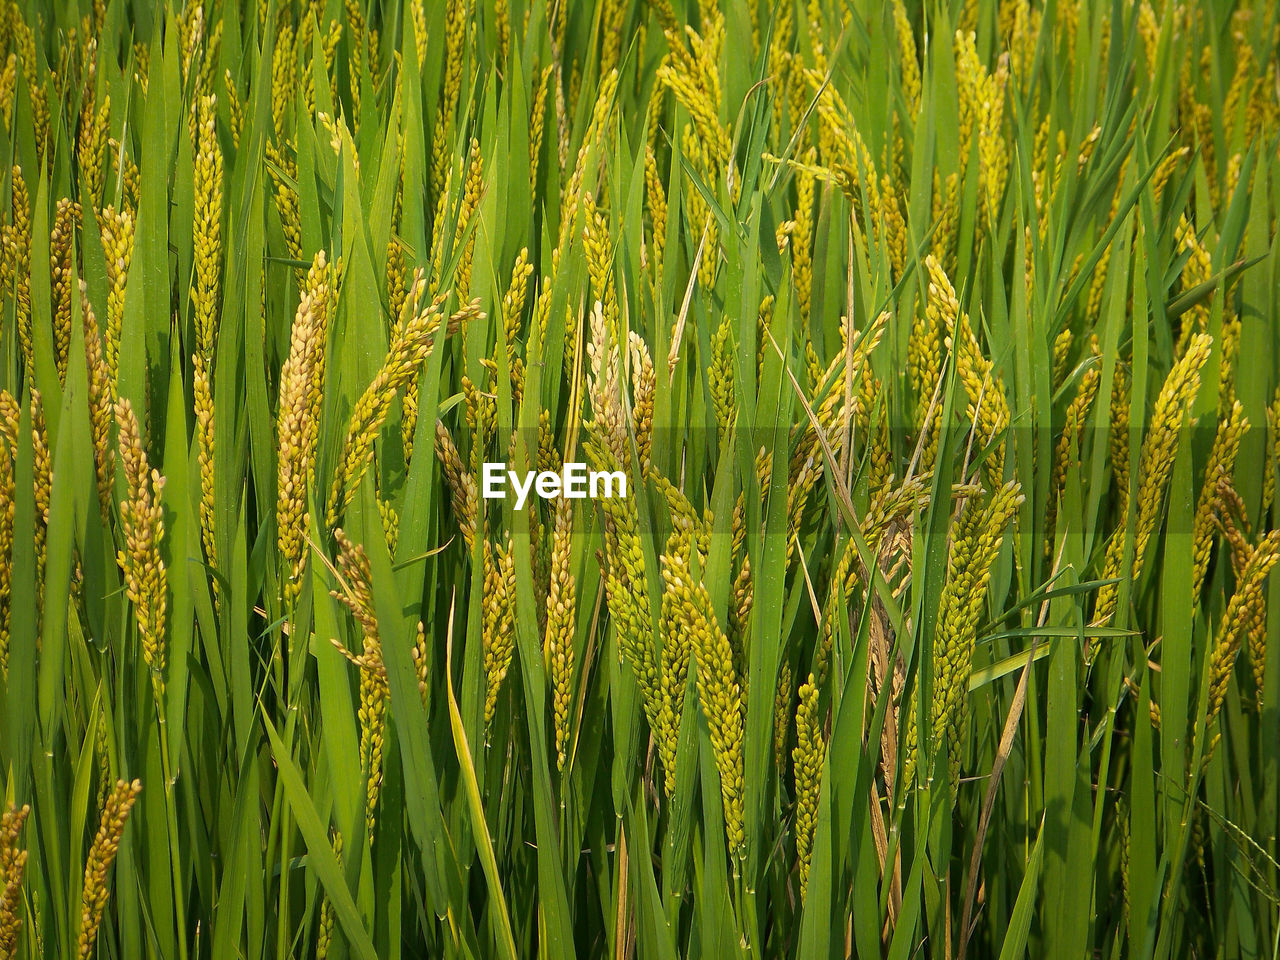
(937, 344)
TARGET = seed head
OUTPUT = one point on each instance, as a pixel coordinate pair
(142, 524)
(97, 869)
(297, 422)
(808, 756)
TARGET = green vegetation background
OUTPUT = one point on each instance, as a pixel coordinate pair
(937, 340)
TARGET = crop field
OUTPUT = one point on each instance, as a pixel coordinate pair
(639, 479)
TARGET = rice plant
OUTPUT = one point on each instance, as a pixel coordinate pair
(929, 353)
